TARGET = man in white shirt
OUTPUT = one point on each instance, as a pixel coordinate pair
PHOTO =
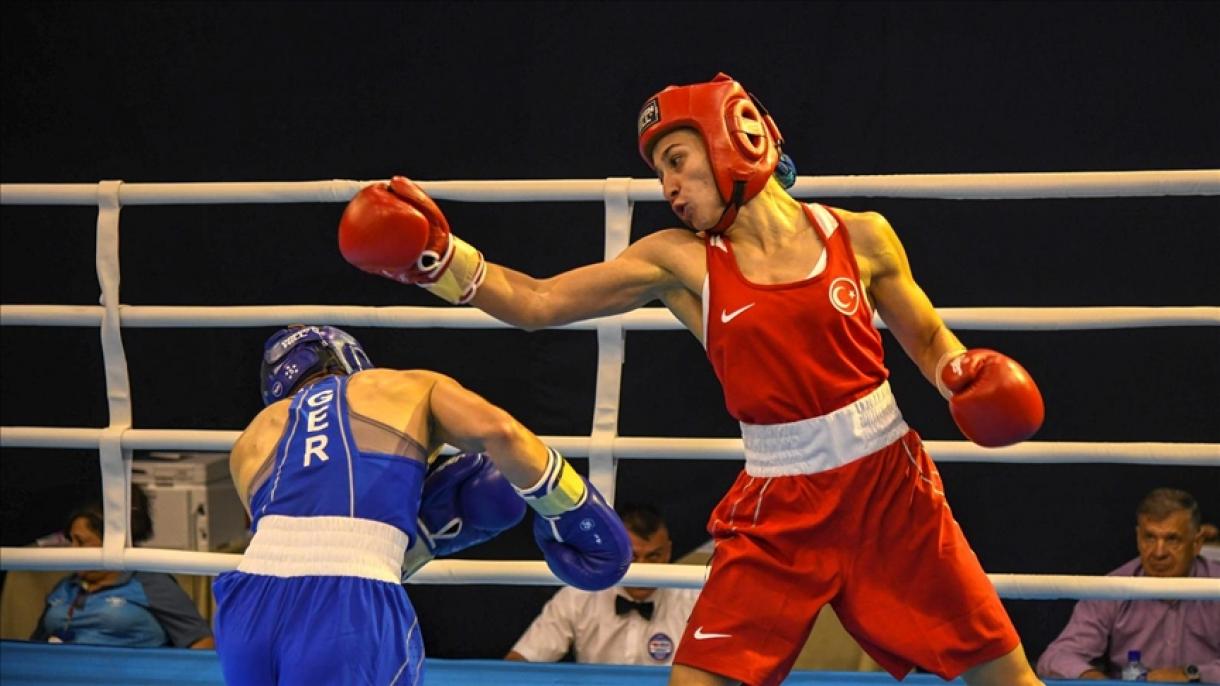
(620, 625)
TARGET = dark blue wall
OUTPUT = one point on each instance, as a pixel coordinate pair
(279, 91)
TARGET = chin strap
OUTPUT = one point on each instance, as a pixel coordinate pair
(730, 210)
(725, 221)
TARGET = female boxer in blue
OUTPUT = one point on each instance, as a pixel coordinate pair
(332, 473)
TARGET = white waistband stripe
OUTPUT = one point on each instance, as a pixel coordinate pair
(822, 443)
(325, 546)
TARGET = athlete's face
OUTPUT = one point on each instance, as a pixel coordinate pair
(681, 161)
(1168, 546)
(656, 549)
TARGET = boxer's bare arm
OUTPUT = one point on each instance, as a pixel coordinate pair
(653, 267)
(464, 419)
(899, 300)
(384, 230)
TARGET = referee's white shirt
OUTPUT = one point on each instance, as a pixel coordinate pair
(586, 621)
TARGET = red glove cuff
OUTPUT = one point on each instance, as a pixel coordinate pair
(949, 356)
(994, 401)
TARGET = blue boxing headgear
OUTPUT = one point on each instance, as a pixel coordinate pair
(296, 353)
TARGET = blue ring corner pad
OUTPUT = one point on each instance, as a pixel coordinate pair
(24, 663)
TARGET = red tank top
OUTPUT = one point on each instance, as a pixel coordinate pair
(792, 351)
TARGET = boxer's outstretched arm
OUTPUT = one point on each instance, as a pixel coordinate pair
(396, 231)
(465, 419)
(596, 290)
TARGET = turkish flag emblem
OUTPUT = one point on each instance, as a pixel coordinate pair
(845, 295)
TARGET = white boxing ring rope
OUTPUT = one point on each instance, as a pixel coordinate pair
(603, 447)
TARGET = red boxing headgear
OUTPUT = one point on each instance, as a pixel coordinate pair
(742, 140)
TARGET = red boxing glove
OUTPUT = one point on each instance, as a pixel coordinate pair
(993, 400)
(398, 232)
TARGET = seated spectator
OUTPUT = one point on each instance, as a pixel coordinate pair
(622, 625)
(1178, 640)
(119, 608)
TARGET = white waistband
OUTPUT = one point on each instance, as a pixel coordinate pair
(325, 546)
(823, 443)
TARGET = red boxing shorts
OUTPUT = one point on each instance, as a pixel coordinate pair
(874, 538)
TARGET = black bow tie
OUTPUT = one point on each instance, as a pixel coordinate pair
(623, 605)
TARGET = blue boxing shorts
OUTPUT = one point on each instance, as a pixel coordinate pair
(327, 614)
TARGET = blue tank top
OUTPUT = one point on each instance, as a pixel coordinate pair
(319, 471)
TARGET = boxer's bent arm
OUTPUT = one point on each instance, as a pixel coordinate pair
(900, 301)
(620, 285)
(464, 419)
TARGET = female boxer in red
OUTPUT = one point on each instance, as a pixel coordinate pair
(839, 502)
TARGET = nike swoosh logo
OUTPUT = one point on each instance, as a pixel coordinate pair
(726, 317)
(700, 636)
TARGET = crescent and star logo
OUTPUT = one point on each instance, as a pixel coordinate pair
(844, 295)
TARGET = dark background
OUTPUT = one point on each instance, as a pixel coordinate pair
(279, 91)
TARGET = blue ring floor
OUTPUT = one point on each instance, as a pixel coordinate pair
(24, 663)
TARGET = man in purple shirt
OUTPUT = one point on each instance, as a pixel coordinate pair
(1179, 640)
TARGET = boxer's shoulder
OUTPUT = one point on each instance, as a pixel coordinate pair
(256, 444)
(678, 252)
(400, 399)
(392, 384)
(269, 421)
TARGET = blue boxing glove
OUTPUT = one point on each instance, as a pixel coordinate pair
(465, 501)
(581, 537)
